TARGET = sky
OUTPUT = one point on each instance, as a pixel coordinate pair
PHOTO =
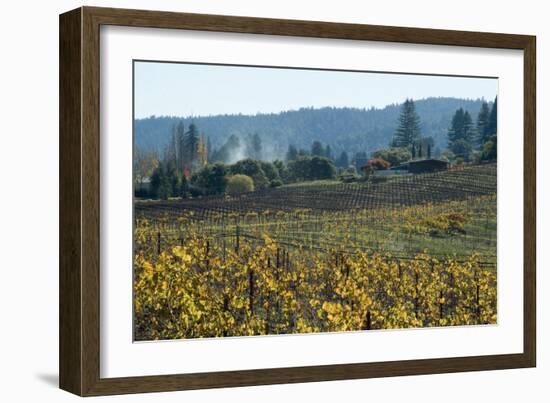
(179, 89)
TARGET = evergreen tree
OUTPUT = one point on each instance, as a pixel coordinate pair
(270, 170)
(455, 131)
(191, 144)
(462, 149)
(254, 147)
(343, 160)
(360, 159)
(217, 180)
(468, 128)
(317, 149)
(292, 153)
(161, 183)
(170, 149)
(461, 134)
(408, 130)
(423, 145)
(461, 127)
(322, 168)
(328, 152)
(427, 141)
(482, 124)
(226, 151)
(174, 180)
(156, 180)
(184, 186)
(489, 149)
(180, 146)
(211, 179)
(429, 151)
(209, 148)
(282, 169)
(492, 126)
(311, 168)
(355, 129)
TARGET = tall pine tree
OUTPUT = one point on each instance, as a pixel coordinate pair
(254, 147)
(292, 153)
(492, 127)
(180, 146)
(461, 134)
(483, 124)
(317, 149)
(328, 152)
(170, 148)
(343, 160)
(191, 145)
(408, 130)
(461, 127)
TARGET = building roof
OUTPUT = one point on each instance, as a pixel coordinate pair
(424, 160)
(405, 165)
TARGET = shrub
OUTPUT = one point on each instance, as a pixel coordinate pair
(237, 184)
(462, 148)
(270, 170)
(447, 155)
(489, 150)
(394, 155)
(252, 169)
(282, 170)
(275, 183)
(378, 163)
(195, 191)
(307, 168)
(210, 179)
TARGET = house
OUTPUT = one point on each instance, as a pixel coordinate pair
(421, 166)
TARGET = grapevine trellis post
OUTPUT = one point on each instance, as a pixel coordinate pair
(237, 238)
(251, 290)
(158, 243)
(368, 321)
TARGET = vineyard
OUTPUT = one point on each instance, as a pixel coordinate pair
(400, 191)
(411, 251)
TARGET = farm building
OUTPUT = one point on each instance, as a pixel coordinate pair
(423, 166)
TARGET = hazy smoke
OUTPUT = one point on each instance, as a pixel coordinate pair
(237, 148)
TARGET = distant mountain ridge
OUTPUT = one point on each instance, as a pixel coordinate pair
(344, 129)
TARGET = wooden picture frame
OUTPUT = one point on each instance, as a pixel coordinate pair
(79, 346)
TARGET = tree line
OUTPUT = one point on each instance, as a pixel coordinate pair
(466, 140)
(366, 129)
(243, 176)
(190, 166)
(188, 169)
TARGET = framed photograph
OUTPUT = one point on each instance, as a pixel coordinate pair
(249, 201)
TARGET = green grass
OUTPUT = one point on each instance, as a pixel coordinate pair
(320, 182)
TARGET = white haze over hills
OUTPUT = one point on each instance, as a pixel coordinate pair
(343, 129)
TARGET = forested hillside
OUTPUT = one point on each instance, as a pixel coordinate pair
(344, 129)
